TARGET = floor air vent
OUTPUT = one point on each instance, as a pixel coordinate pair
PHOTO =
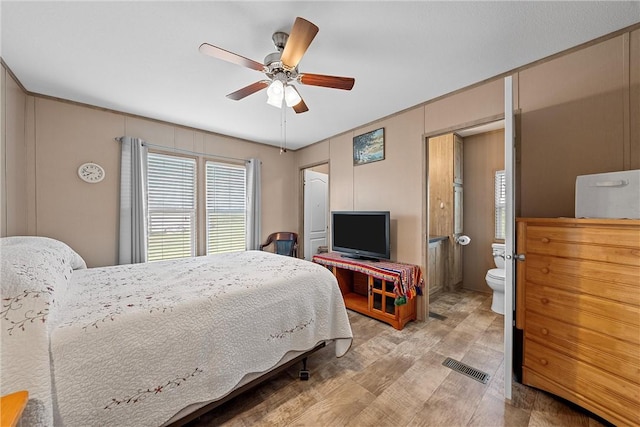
(466, 370)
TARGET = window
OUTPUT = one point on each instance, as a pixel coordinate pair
(500, 205)
(172, 206)
(226, 208)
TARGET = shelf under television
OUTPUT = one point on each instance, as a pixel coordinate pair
(356, 302)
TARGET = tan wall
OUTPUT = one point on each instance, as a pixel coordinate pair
(378, 185)
(483, 156)
(465, 109)
(394, 183)
(59, 136)
(85, 216)
(579, 115)
(13, 163)
(323, 168)
(312, 155)
(340, 172)
(575, 121)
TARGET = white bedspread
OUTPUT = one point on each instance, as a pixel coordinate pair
(132, 345)
(34, 273)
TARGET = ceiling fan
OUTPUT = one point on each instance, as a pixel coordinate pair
(281, 68)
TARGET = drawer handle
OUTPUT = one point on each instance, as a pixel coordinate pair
(616, 183)
(544, 300)
(545, 270)
(544, 331)
(544, 362)
(545, 240)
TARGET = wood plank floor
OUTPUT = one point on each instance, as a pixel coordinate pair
(396, 378)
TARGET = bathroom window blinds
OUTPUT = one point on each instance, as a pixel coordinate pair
(226, 208)
(172, 206)
(500, 205)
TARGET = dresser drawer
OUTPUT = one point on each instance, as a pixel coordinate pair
(611, 354)
(602, 243)
(618, 320)
(586, 381)
(616, 282)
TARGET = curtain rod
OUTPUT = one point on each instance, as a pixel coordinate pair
(180, 150)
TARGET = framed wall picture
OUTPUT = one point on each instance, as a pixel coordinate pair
(368, 147)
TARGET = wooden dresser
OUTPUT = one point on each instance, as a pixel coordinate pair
(578, 303)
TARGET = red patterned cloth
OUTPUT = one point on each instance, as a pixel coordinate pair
(406, 278)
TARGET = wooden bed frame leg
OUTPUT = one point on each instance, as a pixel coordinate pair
(304, 373)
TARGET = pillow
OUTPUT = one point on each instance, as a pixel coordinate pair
(39, 267)
(35, 273)
(66, 254)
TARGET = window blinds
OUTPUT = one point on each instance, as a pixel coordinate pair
(500, 205)
(172, 206)
(226, 208)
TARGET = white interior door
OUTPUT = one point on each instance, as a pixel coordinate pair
(509, 283)
(316, 215)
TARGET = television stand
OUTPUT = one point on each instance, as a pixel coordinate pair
(374, 288)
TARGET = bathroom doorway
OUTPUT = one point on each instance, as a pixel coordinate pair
(462, 166)
(483, 150)
(509, 119)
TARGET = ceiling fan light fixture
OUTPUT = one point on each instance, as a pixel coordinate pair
(276, 89)
(281, 68)
(275, 93)
(291, 96)
(275, 101)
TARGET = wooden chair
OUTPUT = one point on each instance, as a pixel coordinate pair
(284, 242)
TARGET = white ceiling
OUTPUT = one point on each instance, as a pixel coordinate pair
(142, 57)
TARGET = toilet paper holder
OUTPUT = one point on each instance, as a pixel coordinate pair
(463, 240)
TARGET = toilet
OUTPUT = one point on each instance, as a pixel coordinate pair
(495, 278)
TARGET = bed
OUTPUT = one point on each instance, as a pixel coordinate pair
(146, 344)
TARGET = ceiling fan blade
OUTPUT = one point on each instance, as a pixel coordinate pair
(248, 90)
(345, 83)
(301, 36)
(234, 58)
(300, 107)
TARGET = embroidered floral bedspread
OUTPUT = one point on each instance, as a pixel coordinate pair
(132, 345)
(34, 273)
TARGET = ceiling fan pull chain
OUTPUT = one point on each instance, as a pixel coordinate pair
(283, 131)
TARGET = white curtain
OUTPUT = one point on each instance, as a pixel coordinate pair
(254, 199)
(133, 201)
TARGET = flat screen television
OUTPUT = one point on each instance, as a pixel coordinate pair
(361, 234)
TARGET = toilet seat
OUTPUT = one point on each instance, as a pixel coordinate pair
(496, 273)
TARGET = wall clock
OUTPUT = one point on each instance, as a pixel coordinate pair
(91, 172)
